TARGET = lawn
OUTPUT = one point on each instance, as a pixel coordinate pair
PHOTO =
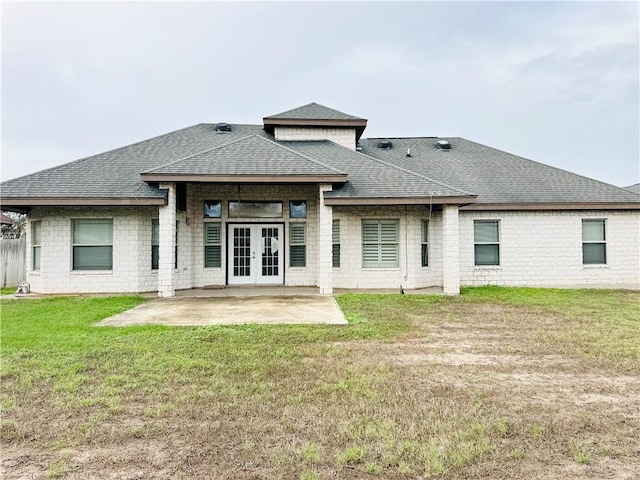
(495, 383)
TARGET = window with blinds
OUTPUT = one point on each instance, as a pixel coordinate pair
(36, 244)
(335, 241)
(380, 243)
(594, 244)
(486, 238)
(424, 241)
(155, 244)
(93, 244)
(212, 245)
(298, 244)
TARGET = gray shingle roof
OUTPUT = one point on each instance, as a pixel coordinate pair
(252, 155)
(116, 173)
(495, 176)
(633, 188)
(370, 177)
(313, 111)
(469, 168)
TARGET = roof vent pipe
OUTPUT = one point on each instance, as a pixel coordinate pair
(408, 152)
(443, 145)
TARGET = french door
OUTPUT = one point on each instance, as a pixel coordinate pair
(255, 254)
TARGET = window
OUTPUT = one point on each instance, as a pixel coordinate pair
(255, 209)
(594, 246)
(212, 245)
(380, 243)
(155, 244)
(176, 262)
(424, 241)
(486, 237)
(212, 208)
(298, 209)
(36, 244)
(93, 244)
(297, 245)
(335, 240)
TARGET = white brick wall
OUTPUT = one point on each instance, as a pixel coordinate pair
(342, 136)
(409, 273)
(451, 250)
(131, 251)
(536, 248)
(545, 249)
(324, 243)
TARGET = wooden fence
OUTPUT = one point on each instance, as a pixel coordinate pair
(12, 268)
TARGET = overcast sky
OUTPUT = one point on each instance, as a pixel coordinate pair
(554, 82)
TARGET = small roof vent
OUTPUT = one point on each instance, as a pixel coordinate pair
(223, 127)
(443, 145)
(385, 144)
(358, 148)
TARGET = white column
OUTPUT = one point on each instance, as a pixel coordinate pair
(325, 223)
(450, 250)
(167, 254)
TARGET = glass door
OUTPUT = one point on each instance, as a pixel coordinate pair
(255, 254)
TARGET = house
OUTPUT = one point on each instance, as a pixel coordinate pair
(305, 199)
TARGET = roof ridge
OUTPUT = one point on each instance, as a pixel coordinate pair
(289, 110)
(181, 159)
(419, 175)
(339, 114)
(306, 157)
(89, 157)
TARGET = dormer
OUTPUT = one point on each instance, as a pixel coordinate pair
(316, 122)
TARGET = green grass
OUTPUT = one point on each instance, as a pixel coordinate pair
(313, 401)
(7, 290)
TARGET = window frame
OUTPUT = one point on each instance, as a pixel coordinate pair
(155, 243)
(335, 243)
(424, 243)
(603, 242)
(380, 243)
(212, 245)
(495, 243)
(292, 214)
(296, 244)
(75, 245)
(218, 206)
(36, 245)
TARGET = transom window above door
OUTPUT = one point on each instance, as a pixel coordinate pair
(255, 209)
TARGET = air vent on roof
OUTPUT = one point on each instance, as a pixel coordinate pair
(223, 127)
(443, 144)
(385, 144)
(358, 148)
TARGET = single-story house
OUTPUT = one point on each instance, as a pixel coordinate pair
(303, 199)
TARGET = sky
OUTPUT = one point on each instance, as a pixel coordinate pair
(555, 82)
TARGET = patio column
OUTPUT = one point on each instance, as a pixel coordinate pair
(325, 223)
(167, 244)
(450, 250)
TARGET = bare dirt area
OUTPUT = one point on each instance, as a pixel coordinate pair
(462, 391)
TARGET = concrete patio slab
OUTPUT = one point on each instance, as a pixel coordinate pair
(238, 310)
